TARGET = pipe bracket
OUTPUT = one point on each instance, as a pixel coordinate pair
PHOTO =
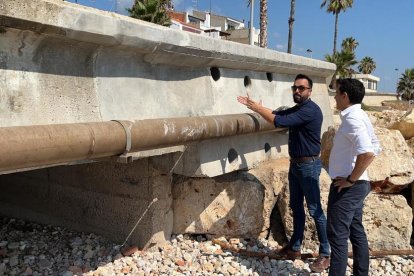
(125, 157)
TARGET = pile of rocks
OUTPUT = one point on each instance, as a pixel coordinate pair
(31, 249)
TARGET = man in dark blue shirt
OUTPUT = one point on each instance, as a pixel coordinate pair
(304, 121)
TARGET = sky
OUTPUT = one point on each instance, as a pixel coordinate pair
(384, 29)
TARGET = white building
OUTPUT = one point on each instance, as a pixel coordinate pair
(213, 25)
(370, 82)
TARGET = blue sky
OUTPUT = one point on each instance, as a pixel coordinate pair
(383, 28)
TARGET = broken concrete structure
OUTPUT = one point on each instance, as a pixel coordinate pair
(62, 63)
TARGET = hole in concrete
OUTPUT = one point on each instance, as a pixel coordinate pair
(232, 155)
(247, 81)
(267, 149)
(215, 73)
(269, 76)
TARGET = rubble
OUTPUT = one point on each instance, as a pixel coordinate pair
(33, 249)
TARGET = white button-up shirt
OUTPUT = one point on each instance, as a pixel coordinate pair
(355, 136)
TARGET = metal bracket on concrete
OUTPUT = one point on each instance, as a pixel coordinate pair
(129, 157)
(125, 159)
(132, 156)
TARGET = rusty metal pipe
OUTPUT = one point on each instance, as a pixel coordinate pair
(36, 146)
(157, 133)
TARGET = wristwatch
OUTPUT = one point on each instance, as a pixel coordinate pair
(348, 179)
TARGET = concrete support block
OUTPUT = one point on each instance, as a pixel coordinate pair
(105, 198)
(220, 156)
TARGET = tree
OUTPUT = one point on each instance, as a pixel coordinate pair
(406, 85)
(343, 60)
(290, 22)
(349, 44)
(155, 11)
(336, 7)
(367, 65)
(169, 5)
(263, 22)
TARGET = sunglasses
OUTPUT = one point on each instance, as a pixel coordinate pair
(301, 88)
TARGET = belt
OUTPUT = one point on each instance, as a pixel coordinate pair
(303, 159)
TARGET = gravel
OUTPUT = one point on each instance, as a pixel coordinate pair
(28, 248)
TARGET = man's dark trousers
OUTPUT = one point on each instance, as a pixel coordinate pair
(304, 183)
(345, 221)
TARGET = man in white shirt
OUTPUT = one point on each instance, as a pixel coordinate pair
(355, 146)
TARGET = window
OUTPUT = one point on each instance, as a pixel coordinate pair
(231, 27)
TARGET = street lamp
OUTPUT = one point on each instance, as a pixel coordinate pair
(396, 85)
(310, 52)
(396, 75)
(251, 41)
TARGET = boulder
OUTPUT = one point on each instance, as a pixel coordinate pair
(410, 144)
(215, 207)
(387, 221)
(395, 160)
(405, 125)
(234, 205)
(327, 144)
(386, 118)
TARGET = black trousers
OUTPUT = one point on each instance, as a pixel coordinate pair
(345, 221)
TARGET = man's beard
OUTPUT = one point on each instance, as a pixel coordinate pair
(297, 98)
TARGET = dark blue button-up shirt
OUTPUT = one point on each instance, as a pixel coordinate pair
(304, 122)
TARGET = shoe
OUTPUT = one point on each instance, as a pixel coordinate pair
(287, 253)
(320, 264)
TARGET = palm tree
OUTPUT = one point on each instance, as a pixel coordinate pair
(290, 22)
(406, 85)
(367, 65)
(336, 7)
(344, 61)
(349, 44)
(155, 11)
(169, 5)
(263, 22)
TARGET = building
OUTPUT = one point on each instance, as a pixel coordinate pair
(222, 23)
(213, 25)
(370, 82)
(184, 21)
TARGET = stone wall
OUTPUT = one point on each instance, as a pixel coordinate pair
(371, 99)
(375, 99)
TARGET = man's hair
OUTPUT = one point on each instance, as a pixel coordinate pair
(302, 76)
(353, 87)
